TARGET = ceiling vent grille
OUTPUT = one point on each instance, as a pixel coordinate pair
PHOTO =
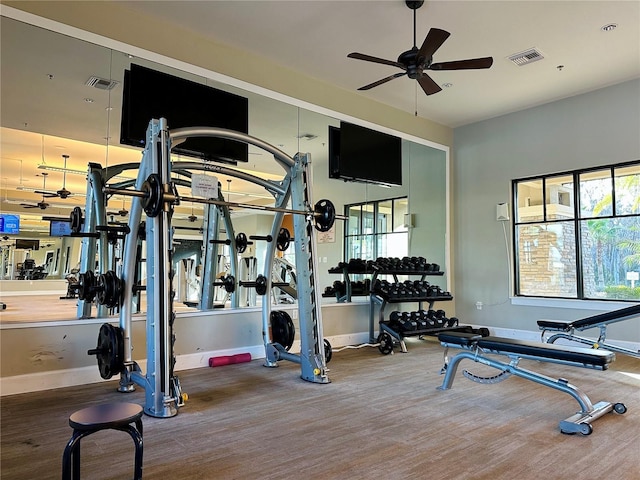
(526, 57)
(101, 83)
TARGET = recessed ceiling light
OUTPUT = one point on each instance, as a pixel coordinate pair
(609, 27)
(89, 100)
(447, 85)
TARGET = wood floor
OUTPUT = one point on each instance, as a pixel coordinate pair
(381, 417)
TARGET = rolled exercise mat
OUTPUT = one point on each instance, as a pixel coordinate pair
(229, 359)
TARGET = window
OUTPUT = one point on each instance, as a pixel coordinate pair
(577, 234)
(376, 229)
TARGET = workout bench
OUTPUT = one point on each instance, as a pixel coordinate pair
(477, 348)
(566, 329)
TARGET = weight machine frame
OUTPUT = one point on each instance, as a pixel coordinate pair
(163, 394)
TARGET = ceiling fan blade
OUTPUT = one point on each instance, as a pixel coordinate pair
(384, 80)
(428, 85)
(28, 205)
(46, 194)
(432, 42)
(473, 63)
(369, 58)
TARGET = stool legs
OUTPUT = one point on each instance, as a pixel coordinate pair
(136, 435)
(71, 455)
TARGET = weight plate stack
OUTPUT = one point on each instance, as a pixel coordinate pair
(282, 329)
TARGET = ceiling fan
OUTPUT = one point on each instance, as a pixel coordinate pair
(123, 212)
(42, 205)
(63, 192)
(414, 62)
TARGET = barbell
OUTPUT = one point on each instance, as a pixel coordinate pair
(154, 197)
(282, 242)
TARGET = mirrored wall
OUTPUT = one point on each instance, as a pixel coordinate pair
(61, 111)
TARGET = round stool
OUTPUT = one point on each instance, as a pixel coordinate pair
(116, 416)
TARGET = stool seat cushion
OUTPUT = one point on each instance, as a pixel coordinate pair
(109, 415)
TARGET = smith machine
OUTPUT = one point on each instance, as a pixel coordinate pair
(155, 193)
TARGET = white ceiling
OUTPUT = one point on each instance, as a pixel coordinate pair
(313, 37)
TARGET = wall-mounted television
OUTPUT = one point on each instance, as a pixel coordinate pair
(59, 228)
(9, 223)
(364, 155)
(25, 244)
(151, 94)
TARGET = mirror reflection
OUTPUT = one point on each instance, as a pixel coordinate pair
(67, 117)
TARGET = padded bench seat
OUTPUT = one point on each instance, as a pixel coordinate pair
(483, 350)
(594, 320)
(586, 356)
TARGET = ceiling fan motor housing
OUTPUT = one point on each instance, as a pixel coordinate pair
(414, 5)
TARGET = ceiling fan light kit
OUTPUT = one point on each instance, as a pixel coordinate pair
(415, 61)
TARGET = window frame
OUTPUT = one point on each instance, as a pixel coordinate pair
(375, 235)
(577, 219)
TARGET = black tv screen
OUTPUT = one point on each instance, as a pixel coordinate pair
(24, 244)
(360, 154)
(151, 94)
(59, 228)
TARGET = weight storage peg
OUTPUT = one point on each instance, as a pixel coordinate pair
(228, 282)
(261, 284)
(107, 287)
(242, 242)
(282, 242)
(154, 197)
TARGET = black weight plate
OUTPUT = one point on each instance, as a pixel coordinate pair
(261, 285)
(282, 329)
(386, 343)
(241, 242)
(75, 220)
(109, 351)
(283, 240)
(229, 283)
(324, 215)
(328, 352)
(86, 286)
(152, 202)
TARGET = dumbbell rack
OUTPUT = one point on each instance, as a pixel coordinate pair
(377, 299)
(345, 270)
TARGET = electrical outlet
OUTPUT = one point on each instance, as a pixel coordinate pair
(479, 305)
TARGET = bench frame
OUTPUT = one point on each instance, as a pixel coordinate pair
(476, 348)
(567, 330)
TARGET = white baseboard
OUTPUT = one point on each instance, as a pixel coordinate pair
(36, 382)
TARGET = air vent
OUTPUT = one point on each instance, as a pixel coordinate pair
(526, 57)
(101, 83)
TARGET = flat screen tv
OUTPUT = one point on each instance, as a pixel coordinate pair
(59, 228)
(24, 244)
(360, 154)
(151, 94)
(9, 223)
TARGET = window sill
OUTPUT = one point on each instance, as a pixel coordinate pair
(568, 303)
